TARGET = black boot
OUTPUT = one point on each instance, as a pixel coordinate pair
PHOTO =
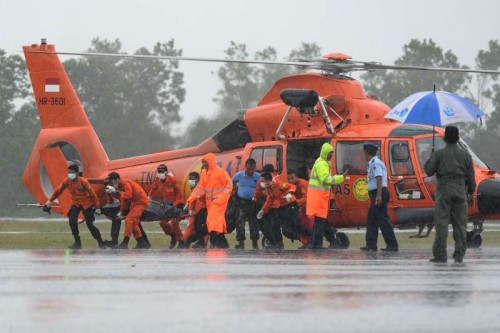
(222, 244)
(183, 245)
(110, 243)
(77, 245)
(199, 244)
(124, 244)
(147, 244)
(255, 244)
(173, 241)
(240, 245)
(141, 243)
(214, 240)
(100, 242)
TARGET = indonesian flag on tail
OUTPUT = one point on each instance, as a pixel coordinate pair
(52, 85)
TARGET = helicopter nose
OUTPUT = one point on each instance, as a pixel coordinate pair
(488, 196)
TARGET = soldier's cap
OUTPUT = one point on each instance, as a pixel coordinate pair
(113, 175)
(451, 133)
(73, 167)
(370, 147)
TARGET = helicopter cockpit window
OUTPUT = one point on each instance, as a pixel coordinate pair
(350, 155)
(424, 148)
(401, 164)
(267, 155)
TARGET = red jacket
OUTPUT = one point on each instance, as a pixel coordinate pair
(301, 191)
(166, 190)
(132, 193)
(276, 192)
(81, 192)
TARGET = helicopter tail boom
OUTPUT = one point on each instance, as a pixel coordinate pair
(67, 136)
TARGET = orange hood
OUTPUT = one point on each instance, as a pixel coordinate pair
(211, 160)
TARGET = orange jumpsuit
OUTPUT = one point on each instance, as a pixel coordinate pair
(276, 192)
(168, 190)
(301, 195)
(259, 191)
(216, 186)
(133, 196)
(81, 193)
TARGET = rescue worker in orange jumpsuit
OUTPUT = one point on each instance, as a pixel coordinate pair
(112, 196)
(301, 196)
(216, 186)
(288, 213)
(271, 217)
(318, 193)
(134, 200)
(83, 198)
(196, 230)
(165, 188)
(305, 220)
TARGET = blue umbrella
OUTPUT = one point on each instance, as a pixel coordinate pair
(439, 108)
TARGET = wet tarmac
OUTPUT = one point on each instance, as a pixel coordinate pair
(247, 291)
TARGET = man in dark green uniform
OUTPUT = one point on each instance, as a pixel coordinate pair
(455, 179)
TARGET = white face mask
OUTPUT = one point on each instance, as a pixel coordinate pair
(192, 183)
(162, 176)
(263, 185)
(72, 176)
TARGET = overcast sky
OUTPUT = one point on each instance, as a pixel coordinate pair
(369, 30)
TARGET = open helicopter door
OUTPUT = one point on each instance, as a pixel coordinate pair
(56, 167)
(350, 200)
(408, 194)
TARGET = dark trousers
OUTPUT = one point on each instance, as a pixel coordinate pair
(270, 227)
(289, 221)
(116, 225)
(379, 218)
(318, 232)
(247, 211)
(89, 219)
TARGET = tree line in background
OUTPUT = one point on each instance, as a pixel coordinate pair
(134, 104)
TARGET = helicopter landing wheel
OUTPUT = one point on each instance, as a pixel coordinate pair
(474, 240)
(342, 240)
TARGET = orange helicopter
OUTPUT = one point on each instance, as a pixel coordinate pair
(285, 131)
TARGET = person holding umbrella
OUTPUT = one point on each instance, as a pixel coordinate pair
(455, 176)
(452, 165)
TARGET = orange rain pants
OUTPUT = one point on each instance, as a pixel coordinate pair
(171, 227)
(132, 221)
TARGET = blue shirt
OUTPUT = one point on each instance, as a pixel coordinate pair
(376, 168)
(246, 185)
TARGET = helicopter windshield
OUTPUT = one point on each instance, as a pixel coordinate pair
(424, 147)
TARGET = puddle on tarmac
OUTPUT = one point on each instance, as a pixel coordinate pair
(245, 291)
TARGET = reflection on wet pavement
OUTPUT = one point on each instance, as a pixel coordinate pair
(246, 291)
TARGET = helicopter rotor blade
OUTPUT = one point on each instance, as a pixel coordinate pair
(327, 65)
(374, 66)
(145, 56)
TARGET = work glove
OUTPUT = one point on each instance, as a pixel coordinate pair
(110, 189)
(288, 197)
(191, 213)
(119, 216)
(46, 207)
(97, 211)
(260, 214)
